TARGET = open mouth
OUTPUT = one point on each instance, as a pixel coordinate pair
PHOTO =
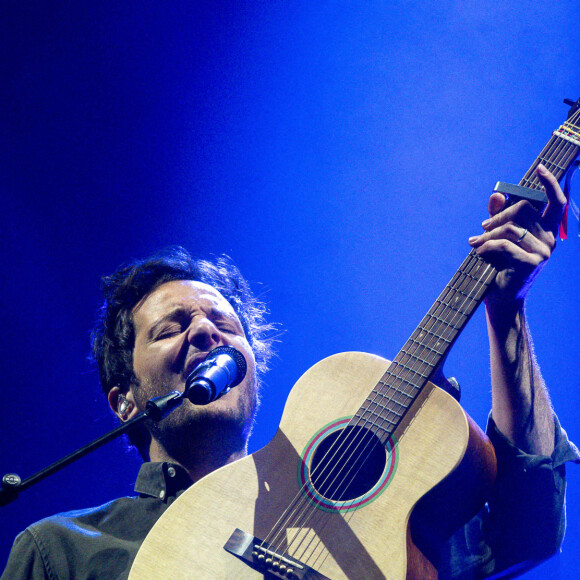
(193, 363)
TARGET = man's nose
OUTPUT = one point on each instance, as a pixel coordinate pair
(203, 334)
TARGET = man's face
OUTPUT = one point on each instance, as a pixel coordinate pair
(176, 326)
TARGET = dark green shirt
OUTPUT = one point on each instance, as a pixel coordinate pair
(522, 524)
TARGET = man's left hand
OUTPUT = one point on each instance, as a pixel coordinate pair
(519, 240)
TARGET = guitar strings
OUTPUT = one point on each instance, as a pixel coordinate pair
(567, 151)
(555, 163)
(395, 390)
(424, 345)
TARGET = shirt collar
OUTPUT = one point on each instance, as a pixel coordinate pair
(161, 480)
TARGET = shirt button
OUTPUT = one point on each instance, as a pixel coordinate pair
(162, 494)
(171, 471)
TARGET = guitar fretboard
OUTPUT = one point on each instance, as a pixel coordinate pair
(428, 345)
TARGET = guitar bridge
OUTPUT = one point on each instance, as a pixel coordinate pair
(264, 558)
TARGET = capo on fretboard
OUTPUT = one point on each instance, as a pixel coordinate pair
(537, 197)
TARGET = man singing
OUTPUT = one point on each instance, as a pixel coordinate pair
(163, 315)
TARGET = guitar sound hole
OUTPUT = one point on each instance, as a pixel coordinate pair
(347, 463)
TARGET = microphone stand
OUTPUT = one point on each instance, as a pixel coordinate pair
(156, 409)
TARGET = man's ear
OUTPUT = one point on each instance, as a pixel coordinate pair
(122, 404)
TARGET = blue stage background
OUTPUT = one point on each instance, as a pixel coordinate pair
(340, 152)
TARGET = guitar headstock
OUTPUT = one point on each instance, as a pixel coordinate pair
(558, 156)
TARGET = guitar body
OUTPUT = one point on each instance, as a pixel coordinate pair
(364, 537)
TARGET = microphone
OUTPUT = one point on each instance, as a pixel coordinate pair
(223, 368)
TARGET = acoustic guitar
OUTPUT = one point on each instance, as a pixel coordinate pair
(371, 469)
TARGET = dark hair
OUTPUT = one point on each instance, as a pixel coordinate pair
(113, 336)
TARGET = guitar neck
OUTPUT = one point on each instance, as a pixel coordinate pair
(431, 341)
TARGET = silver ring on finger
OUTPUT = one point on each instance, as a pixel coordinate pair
(524, 234)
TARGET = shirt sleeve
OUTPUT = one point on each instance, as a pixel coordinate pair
(525, 518)
(527, 515)
(26, 560)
